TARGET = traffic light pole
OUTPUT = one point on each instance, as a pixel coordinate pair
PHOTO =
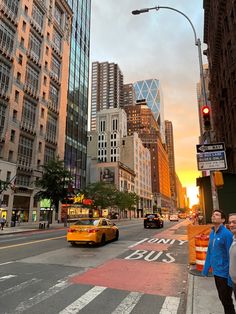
(203, 83)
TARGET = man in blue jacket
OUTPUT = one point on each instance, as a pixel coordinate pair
(218, 258)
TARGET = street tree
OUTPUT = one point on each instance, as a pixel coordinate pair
(54, 182)
(126, 200)
(103, 194)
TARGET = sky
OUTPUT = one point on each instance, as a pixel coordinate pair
(159, 44)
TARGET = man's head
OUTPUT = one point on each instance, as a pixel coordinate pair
(232, 223)
(218, 217)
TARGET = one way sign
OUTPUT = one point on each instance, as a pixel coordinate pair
(210, 147)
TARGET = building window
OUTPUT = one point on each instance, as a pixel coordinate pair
(2, 118)
(8, 177)
(24, 26)
(57, 39)
(17, 94)
(14, 116)
(26, 10)
(49, 154)
(114, 125)
(51, 128)
(102, 126)
(58, 14)
(54, 95)
(40, 147)
(10, 156)
(18, 77)
(20, 59)
(23, 180)
(4, 77)
(28, 113)
(32, 78)
(34, 46)
(13, 134)
(25, 151)
(22, 42)
(55, 67)
(37, 16)
(47, 50)
(12, 5)
(6, 37)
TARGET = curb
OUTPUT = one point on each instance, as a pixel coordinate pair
(190, 295)
(31, 230)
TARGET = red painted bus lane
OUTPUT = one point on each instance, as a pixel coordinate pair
(152, 278)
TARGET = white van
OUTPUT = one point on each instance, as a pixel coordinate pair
(174, 217)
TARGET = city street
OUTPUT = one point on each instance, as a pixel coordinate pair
(144, 272)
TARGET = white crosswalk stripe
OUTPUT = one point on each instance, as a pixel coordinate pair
(19, 287)
(127, 305)
(84, 300)
(170, 305)
(41, 296)
(7, 277)
(126, 302)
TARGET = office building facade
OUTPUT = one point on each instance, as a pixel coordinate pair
(34, 67)
(77, 102)
(106, 88)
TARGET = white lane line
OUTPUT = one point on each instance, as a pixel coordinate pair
(138, 242)
(41, 296)
(7, 277)
(84, 300)
(127, 305)
(19, 287)
(170, 305)
(6, 263)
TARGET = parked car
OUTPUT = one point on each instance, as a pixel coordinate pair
(153, 221)
(182, 215)
(92, 230)
(174, 217)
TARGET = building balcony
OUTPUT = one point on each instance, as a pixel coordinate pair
(56, 50)
(4, 93)
(27, 126)
(33, 57)
(52, 106)
(8, 13)
(36, 27)
(51, 138)
(54, 78)
(32, 91)
(6, 51)
(24, 162)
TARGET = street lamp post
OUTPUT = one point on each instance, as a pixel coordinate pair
(203, 83)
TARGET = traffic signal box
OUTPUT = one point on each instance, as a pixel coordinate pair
(206, 117)
(218, 179)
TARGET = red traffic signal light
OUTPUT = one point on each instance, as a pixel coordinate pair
(206, 118)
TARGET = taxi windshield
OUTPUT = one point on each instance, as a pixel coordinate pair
(87, 222)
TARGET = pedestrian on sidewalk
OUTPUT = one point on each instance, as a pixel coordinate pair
(2, 222)
(218, 259)
(232, 251)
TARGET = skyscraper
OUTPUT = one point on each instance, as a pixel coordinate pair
(107, 88)
(150, 91)
(34, 67)
(171, 156)
(77, 102)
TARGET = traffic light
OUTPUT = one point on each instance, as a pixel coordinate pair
(206, 117)
(218, 178)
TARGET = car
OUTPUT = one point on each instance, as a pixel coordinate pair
(173, 217)
(92, 231)
(153, 221)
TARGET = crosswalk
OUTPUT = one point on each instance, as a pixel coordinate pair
(34, 295)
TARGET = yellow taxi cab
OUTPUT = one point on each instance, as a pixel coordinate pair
(92, 230)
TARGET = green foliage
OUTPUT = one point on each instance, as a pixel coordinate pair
(54, 182)
(101, 193)
(126, 200)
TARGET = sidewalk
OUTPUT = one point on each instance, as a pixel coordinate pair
(202, 296)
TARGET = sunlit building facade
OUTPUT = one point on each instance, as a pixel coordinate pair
(34, 67)
(150, 90)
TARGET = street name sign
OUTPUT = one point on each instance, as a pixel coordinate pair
(215, 160)
(203, 148)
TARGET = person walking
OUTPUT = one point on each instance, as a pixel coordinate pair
(2, 222)
(232, 251)
(218, 259)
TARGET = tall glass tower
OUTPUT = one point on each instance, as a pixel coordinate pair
(77, 102)
(151, 91)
